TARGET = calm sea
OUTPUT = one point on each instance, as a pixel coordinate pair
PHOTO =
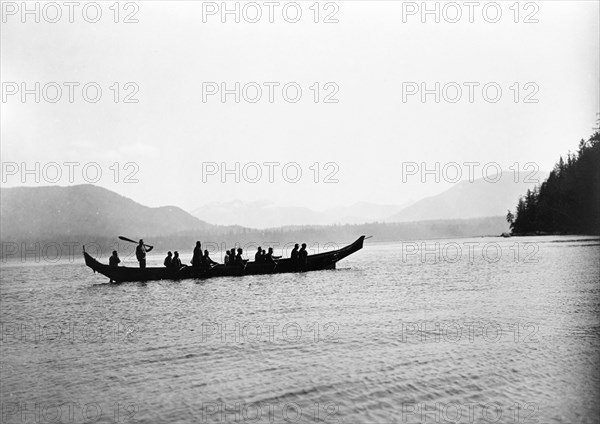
(467, 330)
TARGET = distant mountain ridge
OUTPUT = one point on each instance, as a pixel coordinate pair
(85, 213)
(86, 210)
(261, 214)
(467, 200)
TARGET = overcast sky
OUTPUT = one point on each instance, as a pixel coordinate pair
(370, 57)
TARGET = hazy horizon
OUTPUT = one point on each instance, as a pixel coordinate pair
(539, 175)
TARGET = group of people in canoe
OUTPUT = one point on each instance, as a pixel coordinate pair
(262, 256)
(201, 259)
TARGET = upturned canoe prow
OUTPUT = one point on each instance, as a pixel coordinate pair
(318, 262)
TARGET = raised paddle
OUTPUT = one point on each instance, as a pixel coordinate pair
(133, 241)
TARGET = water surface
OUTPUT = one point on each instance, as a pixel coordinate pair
(399, 333)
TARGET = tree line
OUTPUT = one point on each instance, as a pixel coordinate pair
(568, 201)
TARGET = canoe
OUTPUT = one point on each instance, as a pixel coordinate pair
(320, 261)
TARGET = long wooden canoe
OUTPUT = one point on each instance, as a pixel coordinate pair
(320, 261)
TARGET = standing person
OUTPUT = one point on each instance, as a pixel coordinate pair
(140, 253)
(258, 255)
(197, 256)
(176, 263)
(168, 260)
(295, 256)
(114, 259)
(303, 254)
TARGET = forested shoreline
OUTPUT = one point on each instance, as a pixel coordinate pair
(568, 201)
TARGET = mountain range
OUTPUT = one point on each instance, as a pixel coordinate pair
(262, 214)
(465, 200)
(468, 199)
(47, 212)
(43, 213)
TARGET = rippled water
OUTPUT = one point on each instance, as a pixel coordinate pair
(391, 336)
